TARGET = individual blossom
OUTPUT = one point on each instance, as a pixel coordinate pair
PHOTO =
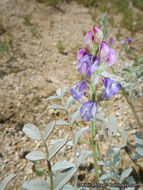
(78, 90)
(81, 53)
(88, 110)
(104, 50)
(98, 35)
(111, 59)
(87, 65)
(88, 41)
(129, 40)
(112, 41)
(111, 88)
(122, 42)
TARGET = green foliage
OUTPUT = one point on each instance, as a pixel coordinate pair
(34, 32)
(127, 19)
(27, 19)
(138, 4)
(3, 48)
(60, 47)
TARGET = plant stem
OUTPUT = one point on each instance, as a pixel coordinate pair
(49, 166)
(93, 134)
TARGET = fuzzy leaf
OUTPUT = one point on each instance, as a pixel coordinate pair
(82, 157)
(125, 174)
(56, 147)
(53, 98)
(32, 131)
(36, 184)
(116, 159)
(74, 116)
(79, 133)
(62, 178)
(61, 122)
(105, 163)
(68, 187)
(59, 92)
(56, 106)
(64, 91)
(48, 130)
(69, 101)
(124, 137)
(62, 165)
(6, 181)
(35, 156)
(112, 125)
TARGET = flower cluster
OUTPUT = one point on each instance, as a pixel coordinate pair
(92, 60)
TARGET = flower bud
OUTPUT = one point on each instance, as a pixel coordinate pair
(81, 53)
(88, 41)
(104, 50)
(98, 35)
(111, 59)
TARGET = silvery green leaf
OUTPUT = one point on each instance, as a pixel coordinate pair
(137, 156)
(69, 101)
(6, 181)
(32, 131)
(139, 150)
(114, 188)
(68, 187)
(106, 177)
(116, 159)
(115, 78)
(55, 141)
(69, 143)
(79, 133)
(99, 116)
(56, 147)
(139, 144)
(64, 91)
(82, 157)
(124, 137)
(48, 129)
(36, 184)
(59, 92)
(112, 125)
(62, 165)
(62, 178)
(104, 163)
(53, 98)
(110, 152)
(56, 106)
(125, 174)
(35, 156)
(61, 122)
(74, 116)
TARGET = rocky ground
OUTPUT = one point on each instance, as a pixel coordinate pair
(36, 64)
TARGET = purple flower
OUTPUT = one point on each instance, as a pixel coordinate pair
(88, 111)
(88, 41)
(81, 53)
(122, 42)
(78, 90)
(111, 88)
(104, 50)
(98, 35)
(87, 65)
(129, 40)
(111, 57)
(111, 41)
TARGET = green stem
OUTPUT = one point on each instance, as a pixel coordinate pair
(93, 134)
(49, 166)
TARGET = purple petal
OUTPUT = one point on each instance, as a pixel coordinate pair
(88, 111)
(111, 41)
(81, 53)
(104, 50)
(111, 88)
(88, 41)
(98, 35)
(78, 90)
(129, 40)
(111, 57)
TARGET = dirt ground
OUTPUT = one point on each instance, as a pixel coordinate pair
(34, 68)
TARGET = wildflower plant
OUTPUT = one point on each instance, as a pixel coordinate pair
(83, 109)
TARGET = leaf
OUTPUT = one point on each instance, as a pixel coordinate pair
(106, 177)
(124, 137)
(137, 156)
(139, 150)
(36, 184)
(99, 116)
(61, 122)
(32, 131)
(68, 187)
(79, 133)
(56, 106)
(62, 165)
(35, 156)
(74, 116)
(139, 144)
(116, 159)
(104, 163)
(64, 91)
(125, 174)
(82, 157)
(69, 101)
(59, 92)
(62, 178)
(112, 125)
(53, 98)
(6, 181)
(48, 130)
(56, 147)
